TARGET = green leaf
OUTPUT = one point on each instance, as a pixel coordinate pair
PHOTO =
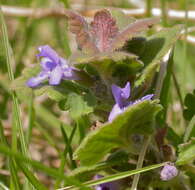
(164, 94)
(136, 46)
(190, 130)
(156, 48)
(109, 64)
(131, 31)
(80, 104)
(173, 137)
(189, 102)
(186, 152)
(136, 119)
(19, 84)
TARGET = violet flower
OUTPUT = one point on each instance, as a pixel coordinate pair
(168, 172)
(54, 68)
(114, 185)
(121, 96)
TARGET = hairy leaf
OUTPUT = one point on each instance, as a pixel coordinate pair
(186, 152)
(155, 49)
(104, 29)
(80, 104)
(79, 27)
(136, 119)
(131, 31)
(110, 64)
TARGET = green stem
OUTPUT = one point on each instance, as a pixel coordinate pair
(185, 45)
(140, 162)
(148, 8)
(164, 12)
(178, 90)
(31, 114)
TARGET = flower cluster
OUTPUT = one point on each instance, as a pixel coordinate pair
(168, 172)
(54, 68)
(121, 96)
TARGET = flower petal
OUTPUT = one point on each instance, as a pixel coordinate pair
(147, 97)
(116, 110)
(35, 81)
(56, 75)
(121, 94)
(48, 52)
(47, 64)
(126, 91)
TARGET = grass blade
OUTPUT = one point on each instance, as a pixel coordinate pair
(68, 148)
(32, 179)
(17, 125)
(68, 145)
(3, 187)
(10, 62)
(31, 116)
(49, 171)
(116, 176)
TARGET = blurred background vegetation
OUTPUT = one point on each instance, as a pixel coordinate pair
(26, 33)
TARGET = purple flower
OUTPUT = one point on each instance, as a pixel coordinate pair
(168, 172)
(54, 68)
(121, 96)
(114, 185)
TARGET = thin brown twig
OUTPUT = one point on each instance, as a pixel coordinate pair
(33, 12)
(38, 13)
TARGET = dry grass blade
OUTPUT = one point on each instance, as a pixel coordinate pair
(132, 30)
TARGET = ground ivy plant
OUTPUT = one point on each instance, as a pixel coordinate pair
(111, 87)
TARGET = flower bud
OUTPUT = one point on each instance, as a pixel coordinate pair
(168, 172)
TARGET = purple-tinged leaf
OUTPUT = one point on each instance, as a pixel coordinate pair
(104, 29)
(79, 27)
(130, 31)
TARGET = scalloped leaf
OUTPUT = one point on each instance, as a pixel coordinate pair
(186, 152)
(79, 105)
(80, 28)
(19, 84)
(156, 47)
(103, 29)
(136, 119)
(130, 31)
(111, 64)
